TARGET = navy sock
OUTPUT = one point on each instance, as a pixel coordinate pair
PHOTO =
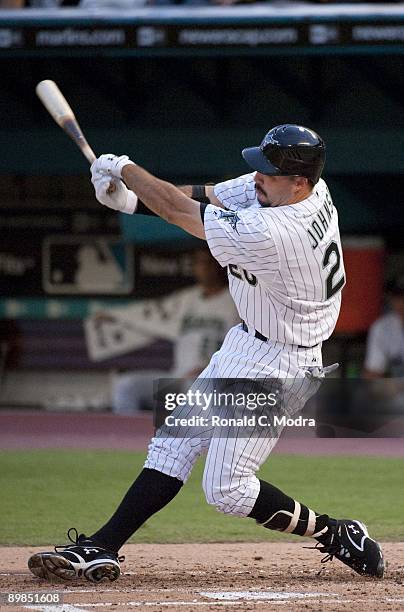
(151, 491)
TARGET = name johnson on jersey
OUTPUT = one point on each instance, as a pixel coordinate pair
(320, 225)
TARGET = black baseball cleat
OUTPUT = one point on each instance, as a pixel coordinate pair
(351, 544)
(82, 559)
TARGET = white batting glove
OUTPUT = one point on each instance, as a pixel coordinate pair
(118, 198)
(110, 164)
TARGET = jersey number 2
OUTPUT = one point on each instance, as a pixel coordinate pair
(331, 289)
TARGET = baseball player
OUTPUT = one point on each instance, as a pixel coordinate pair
(276, 231)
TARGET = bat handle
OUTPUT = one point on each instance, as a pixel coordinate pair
(89, 153)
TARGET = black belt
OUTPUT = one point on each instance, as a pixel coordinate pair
(263, 338)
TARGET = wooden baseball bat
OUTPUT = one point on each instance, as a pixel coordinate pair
(57, 106)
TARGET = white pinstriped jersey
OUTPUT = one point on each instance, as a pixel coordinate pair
(285, 263)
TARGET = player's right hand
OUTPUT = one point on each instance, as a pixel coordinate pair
(121, 198)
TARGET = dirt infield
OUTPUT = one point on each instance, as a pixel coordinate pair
(243, 577)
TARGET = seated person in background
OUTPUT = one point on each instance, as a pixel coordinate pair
(385, 343)
(384, 361)
(196, 319)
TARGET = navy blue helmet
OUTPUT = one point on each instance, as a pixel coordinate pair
(288, 150)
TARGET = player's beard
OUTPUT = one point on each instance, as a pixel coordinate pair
(262, 197)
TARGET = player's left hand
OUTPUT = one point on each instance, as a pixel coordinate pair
(110, 164)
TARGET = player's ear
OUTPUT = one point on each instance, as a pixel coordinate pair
(301, 182)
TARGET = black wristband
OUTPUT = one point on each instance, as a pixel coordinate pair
(199, 193)
(203, 206)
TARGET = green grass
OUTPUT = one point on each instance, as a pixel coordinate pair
(43, 493)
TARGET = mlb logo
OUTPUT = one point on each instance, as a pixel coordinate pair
(99, 265)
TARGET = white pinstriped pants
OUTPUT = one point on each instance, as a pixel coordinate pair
(229, 480)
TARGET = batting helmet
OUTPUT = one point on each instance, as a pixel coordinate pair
(288, 150)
